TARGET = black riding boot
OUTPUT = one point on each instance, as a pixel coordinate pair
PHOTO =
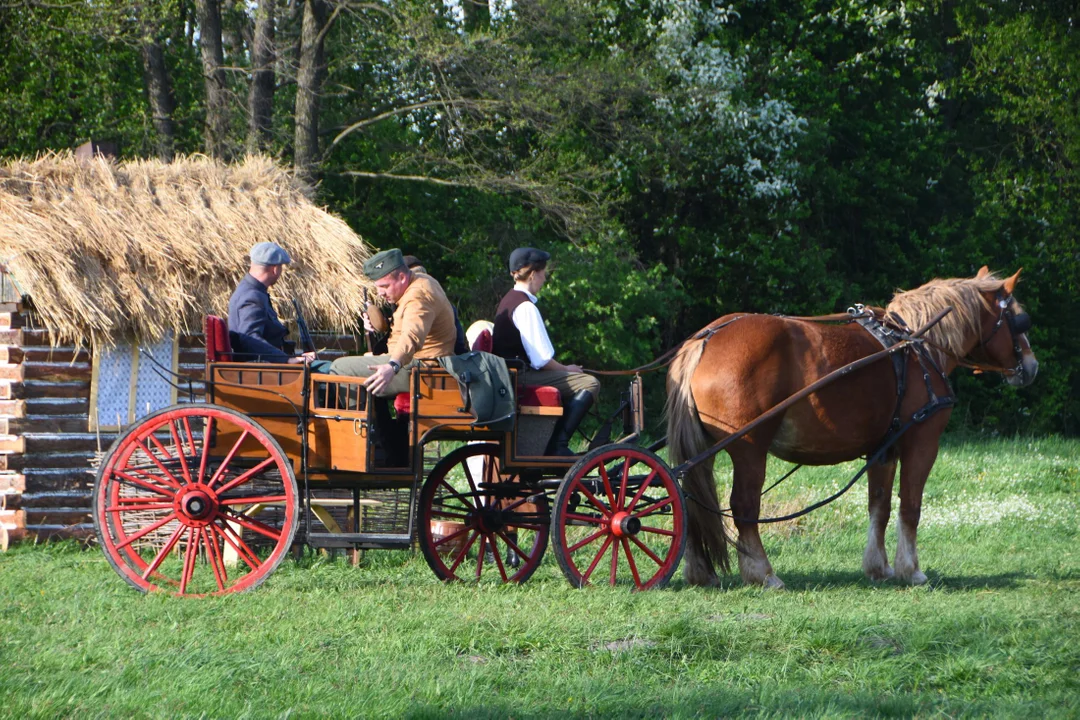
(572, 416)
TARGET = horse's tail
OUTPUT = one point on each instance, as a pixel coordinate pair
(707, 541)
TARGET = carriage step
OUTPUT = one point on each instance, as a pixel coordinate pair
(372, 541)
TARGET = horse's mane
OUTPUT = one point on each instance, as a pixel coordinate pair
(917, 307)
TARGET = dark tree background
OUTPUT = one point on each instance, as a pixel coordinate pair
(680, 158)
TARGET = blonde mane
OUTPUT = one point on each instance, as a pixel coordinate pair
(917, 307)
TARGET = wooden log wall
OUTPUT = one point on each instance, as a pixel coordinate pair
(47, 452)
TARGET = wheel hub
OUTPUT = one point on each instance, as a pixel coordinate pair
(623, 524)
(196, 505)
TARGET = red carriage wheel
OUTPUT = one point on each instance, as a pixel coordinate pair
(480, 523)
(195, 500)
(619, 518)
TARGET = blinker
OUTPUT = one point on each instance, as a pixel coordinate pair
(1020, 324)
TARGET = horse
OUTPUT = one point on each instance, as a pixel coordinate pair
(740, 366)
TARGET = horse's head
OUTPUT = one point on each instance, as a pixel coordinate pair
(1003, 340)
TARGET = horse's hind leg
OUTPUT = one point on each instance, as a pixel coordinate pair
(749, 477)
(879, 490)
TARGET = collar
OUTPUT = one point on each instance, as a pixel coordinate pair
(522, 287)
(255, 283)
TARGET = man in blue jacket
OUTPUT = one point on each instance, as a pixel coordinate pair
(255, 331)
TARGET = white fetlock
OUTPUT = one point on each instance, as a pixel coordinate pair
(918, 578)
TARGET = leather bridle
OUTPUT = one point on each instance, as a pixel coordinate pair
(1018, 324)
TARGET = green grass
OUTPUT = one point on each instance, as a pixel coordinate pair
(995, 633)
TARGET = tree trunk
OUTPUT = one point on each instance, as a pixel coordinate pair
(477, 14)
(159, 90)
(261, 95)
(309, 78)
(217, 99)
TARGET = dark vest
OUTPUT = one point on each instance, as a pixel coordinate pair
(505, 337)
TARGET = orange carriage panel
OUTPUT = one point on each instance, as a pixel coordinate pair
(268, 393)
(436, 402)
(338, 433)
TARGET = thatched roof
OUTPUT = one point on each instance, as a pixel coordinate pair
(106, 250)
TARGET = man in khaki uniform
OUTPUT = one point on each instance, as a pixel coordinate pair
(423, 327)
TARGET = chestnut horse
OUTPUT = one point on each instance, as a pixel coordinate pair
(722, 380)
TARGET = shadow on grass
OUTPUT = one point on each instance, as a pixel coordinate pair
(830, 580)
(723, 702)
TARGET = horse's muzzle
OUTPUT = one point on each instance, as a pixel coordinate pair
(1029, 368)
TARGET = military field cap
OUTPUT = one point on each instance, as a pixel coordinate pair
(268, 253)
(523, 257)
(383, 263)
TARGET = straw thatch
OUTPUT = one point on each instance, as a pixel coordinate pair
(108, 250)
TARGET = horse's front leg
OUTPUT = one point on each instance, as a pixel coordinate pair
(749, 477)
(916, 459)
(879, 491)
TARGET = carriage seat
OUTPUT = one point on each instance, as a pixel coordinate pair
(218, 346)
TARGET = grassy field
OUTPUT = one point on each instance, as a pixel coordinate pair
(996, 632)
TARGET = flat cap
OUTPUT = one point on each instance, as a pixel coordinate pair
(525, 256)
(268, 253)
(383, 263)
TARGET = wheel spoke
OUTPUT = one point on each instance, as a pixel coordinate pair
(256, 500)
(622, 484)
(189, 560)
(513, 545)
(453, 535)
(498, 558)
(163, 553)
(448, 514)
(458, 495)
(228, 458)
(480, 556)
(179, 451)
(582, 543)
(146, 531)
(241, 479)
(464, 551)
(630, 560)
(238, 544)
(153, 458)
(641, 491)
(208, 426)
(658, 531)
(607, 485)
(592, 498)
(647, 551)
(596, 560)
(252, 524)
(190, 435)
(585, 518)
(614, 563)
(138, 508)
(144, 484)
(213, 556)
(654, 506)
(468, 476)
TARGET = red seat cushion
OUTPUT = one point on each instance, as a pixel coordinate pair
(540, 395)
(402, 403)
(218, 347)
(482, 343)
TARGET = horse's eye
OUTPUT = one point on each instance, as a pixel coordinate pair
(1021, 323)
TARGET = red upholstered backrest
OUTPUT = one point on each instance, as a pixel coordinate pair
(218, 347)
(482, 343)
(402, 403)
(539, 395)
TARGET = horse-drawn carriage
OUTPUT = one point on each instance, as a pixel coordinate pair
(204, 497)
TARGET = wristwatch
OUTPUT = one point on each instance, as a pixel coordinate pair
(395, 365)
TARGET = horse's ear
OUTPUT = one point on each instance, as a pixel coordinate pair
(983, 272)
(1010, 283)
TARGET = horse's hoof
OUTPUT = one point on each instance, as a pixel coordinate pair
(773, 583)
(918, 578)
(881, 575)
